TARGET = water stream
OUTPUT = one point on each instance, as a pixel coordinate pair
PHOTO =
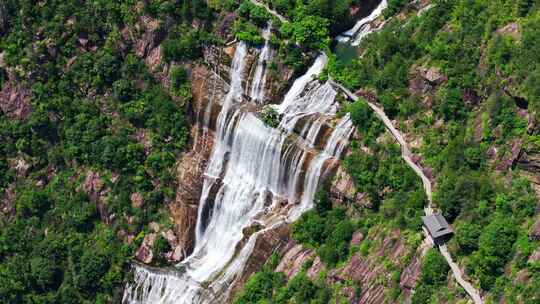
(253, 168)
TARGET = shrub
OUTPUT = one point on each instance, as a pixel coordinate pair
(270, 117)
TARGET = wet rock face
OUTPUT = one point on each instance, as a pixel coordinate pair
(15, 100)
(206, 91)
(4, 19)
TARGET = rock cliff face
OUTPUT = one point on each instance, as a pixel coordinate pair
(372, 272)
(206, 89)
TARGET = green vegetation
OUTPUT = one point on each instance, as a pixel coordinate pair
(327, 230)
(481, 53)
(270, 116)
(95, 108)
(434, 273)
(267, 286)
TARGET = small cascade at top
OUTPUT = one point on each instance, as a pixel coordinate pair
(363, 27)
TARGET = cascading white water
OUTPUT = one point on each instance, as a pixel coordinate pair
(363, 27)
(300, 83)
(257, 92)
(251, 168)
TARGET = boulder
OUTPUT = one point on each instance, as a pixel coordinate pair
(510, 158)
(92, 184)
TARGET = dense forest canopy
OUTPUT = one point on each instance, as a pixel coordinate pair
(97, 124)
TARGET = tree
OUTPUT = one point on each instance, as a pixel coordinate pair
(92, 267)
(310, 32)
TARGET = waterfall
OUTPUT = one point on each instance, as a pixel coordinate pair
(363, 27)
(300, 83)
(257, 92)
(252, 168)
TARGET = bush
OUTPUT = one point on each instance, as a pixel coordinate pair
(434, 275)
(270, 117)
(248, 32)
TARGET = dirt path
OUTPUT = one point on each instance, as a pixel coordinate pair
(406, 154)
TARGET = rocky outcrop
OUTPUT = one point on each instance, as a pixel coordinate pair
(368, 272)
(137, 200)
(93, 185)
(184, 208)
(343, 189)
(15, 100)
(145, 252)
(510, 158)
(534, 234)
(7, 201)
(151, 36)
(295, 257)
(423, 80)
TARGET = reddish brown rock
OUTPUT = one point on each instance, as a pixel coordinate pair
(150, 38)
(433, 75)
(418, 86)
(410, 275)
(342, 188)
(154, 58)
(315, 268)
(145, 252)
(15, 100)
(357, 238)
(7, 201)
(534, 235)
(136, 200)
(369, 273)
(92, 184)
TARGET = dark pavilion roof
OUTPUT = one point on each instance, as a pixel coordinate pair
(437, 225)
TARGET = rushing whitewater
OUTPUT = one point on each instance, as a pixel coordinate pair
(252, 168)
(363, 27)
